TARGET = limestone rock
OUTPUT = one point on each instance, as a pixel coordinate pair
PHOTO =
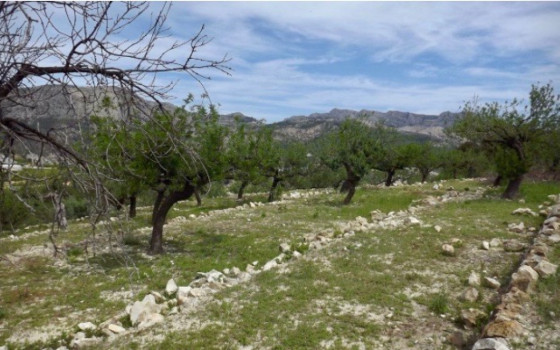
(491, 344)
(517, 228)
(235, 271)
(485, 245)
(545, 268)
(411, 220)
(553, 239)
(183, 294)
(437, 228)
(157, 296)
(513, 245)
(491, 282)
(87, 326)
(285, 247)
(447, 249)
(151, 320)
(197, 292)
(270, 264)
(474, 279)
(116, 328)
(142, 310)
(471, 294)
(495, 242)
(524, 211)
(525, 279)
(171, 287)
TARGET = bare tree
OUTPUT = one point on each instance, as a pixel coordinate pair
(74, 45)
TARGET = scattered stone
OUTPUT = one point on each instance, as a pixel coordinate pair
(285, 247)
(171, 287)
(411, 220)
(116, 328)
(545, 268)
(235, 271)
(87, 326)
(525, 279)
(491, 282)
(151, 320)
(491, 344)
(197, 292)
(296, 254)
(513, 245)
(517, 228)
(438, 229)
(471, 316)
(474, 279)
(554, 238)
(447, 249)
(485, 245)
(183, 295)
(471, 294)
(524, 211)
(143, 310)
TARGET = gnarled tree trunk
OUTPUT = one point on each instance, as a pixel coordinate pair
(241, 189)
(389, 179)
(350, 183)
(160, 213)
(132, 207)
(512, 189)
(275, 181)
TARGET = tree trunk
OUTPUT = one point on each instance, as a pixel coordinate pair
(512, 188)
(197, 196)
(424, 175)
(132, 208)
(275, 181)
(241, 189)
(497, 181)
(389, 179)
(157, 203)
(160, 213)
(351, 182)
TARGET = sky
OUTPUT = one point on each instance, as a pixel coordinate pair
(298, 58)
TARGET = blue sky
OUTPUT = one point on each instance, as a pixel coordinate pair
(297, 58)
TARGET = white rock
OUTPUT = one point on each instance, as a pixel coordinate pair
(411, 220)
(183, 294)
(485, 245)
(529, 272)
(491, 344)
(518, 228)
(554, 238)
(545, 268)
(296, 254)
(285, 247)
(235, 271)
(471, 294)
(142, 310)
(171, 287)
(85, 326)
(437, 228)
(436, 187)
(474, 279)
(197, 292)
(270, 264)
(151, 320)
(116, 328)
(492, 282)
(448, 249)
(524, 211)
(495, 242)
(157, 296)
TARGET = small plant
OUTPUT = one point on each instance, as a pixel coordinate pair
(439, 304)
(131, 240)
(2, 313)
(315, 214)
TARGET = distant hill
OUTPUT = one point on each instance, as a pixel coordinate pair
(309, 127)
(57, 108)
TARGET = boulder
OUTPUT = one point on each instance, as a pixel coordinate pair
(545, 268)
(491, 344)
(171, 287)
(525, 279)
(447, 249)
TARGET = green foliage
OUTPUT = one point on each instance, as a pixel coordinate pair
(12, 211)
(439, 304)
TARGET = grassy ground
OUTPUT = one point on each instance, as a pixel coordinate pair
(378, 289)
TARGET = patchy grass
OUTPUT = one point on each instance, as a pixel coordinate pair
(368, 290)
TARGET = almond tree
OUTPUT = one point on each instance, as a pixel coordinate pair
(513, 132)
(93, 44)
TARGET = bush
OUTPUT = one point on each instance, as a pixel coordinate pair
(12, 211)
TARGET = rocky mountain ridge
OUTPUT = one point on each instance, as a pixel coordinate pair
(55, 106)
